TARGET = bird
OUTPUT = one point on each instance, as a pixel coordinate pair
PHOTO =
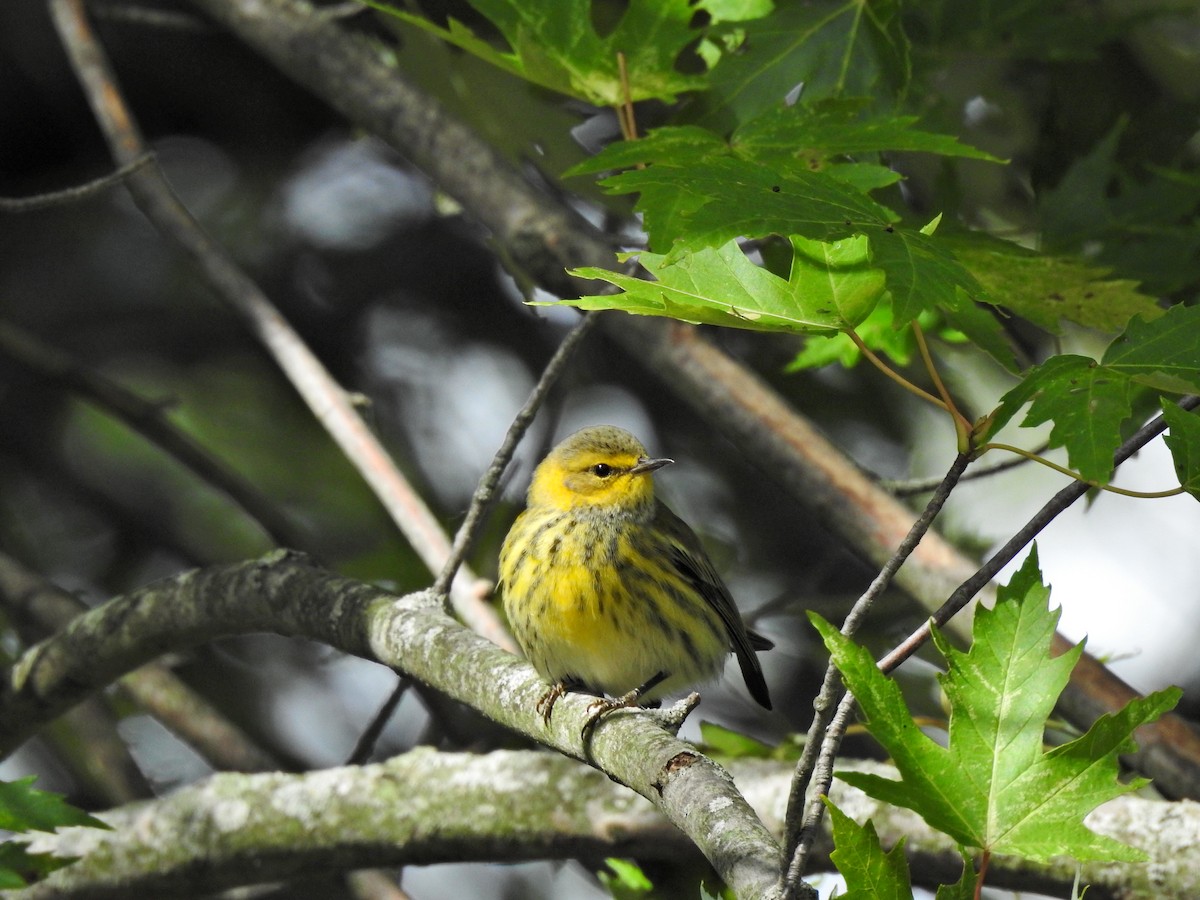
(607, 591)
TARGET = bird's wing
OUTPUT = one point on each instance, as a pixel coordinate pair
(692, 562)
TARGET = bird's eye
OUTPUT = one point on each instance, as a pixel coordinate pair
(602, 470)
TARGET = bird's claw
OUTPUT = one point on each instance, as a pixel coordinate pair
(601, 707)
(545, 704)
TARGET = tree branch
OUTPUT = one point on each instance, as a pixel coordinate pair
(825, 734)
(39, 609)
(423, 807)
(330, 404)
(72, 194)
(147, 419)
(285, 594)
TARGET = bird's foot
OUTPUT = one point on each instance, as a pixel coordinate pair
(545, 704)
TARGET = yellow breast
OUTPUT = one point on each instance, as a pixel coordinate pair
(586, 604)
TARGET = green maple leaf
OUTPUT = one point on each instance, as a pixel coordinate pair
(1047, 289)
(554, 43)
(1090, 401)
(675, 145)
(1163, 353)
(831, 287)
(1184, 444)
(795, 171)
(711, 202)
(1087, 403)
(708, 202)
(993, 787)
(698, 193)
(831, 135)
(24, 808)
(925, 275)
(821, 133)
(835, 49)
(870, 873)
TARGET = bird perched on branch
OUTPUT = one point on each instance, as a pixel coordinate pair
(608, 591)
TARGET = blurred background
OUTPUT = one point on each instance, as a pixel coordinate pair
(402, 298)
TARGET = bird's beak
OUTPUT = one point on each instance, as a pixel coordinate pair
(649, 465)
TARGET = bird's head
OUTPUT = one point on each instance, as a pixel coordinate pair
(601, 467)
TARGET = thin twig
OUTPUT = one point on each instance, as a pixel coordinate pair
(822, 775)
(329, 402)
(1002, 557)
(365, 745)
(479, 505)
(802, 821)
(73, 194)
(148, 419)
(909, 487)
(482, 499)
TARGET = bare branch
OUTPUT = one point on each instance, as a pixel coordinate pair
(329, 402)
(422, 808)
(74, 194)
(148, 419)
(285, 594)
(825, 732)
(40, 608)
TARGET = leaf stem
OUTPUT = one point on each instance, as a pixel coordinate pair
(624, 109)
(983, 867)
(962, 428)
(893, 374)
(1125, 492)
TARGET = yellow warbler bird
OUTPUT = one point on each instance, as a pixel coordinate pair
(609, 591)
